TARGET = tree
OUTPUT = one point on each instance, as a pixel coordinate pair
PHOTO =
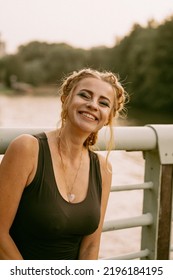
(162, 80)
(13, 66)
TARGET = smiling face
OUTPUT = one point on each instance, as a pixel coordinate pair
(90, 105)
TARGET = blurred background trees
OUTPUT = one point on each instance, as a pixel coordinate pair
(143, 59)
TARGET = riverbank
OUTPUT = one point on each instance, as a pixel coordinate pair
(134, 116)
(41, 91)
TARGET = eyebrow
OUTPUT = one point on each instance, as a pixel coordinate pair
(91, 92)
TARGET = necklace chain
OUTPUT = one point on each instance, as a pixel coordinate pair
(71, 196)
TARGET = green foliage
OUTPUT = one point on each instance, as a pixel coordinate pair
(143, 59)
(163, 67)
(12, 65)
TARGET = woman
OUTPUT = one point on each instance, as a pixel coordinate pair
(53, 189)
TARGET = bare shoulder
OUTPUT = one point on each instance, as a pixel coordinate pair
(24, 143)
(19, 161)
(23, 150)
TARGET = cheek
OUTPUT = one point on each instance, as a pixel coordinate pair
(72, 111)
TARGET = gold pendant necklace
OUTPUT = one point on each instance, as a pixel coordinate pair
(70, 195)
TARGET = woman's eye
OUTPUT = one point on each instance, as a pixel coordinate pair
(84, 94)
(104, 103)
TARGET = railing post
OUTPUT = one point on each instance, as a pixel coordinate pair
(159, 169)
(151, 203)
(165, 214)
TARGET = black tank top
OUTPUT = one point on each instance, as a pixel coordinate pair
(46, 226)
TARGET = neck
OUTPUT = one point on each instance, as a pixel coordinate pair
(71, 142)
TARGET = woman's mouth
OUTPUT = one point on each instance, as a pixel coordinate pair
(89, 116)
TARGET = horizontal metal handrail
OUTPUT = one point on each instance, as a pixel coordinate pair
(129, 138)
(142, 186)
(131, 256)
(143, 220)
(126, 138)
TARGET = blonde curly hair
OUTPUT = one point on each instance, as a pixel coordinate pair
(68, 84)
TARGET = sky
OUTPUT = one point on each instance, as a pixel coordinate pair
(80, 23)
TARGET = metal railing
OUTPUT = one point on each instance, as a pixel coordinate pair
(156, 143)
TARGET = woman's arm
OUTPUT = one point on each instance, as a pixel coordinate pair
(89, 249)
(16, 172)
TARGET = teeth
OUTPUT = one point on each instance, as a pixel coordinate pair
(89, 116)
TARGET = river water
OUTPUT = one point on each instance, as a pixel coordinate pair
(28, 111)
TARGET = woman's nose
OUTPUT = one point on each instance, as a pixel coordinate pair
(92, 104)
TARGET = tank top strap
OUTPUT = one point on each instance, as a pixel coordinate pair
(44, 146)
(41, 135)
(95, 171)
(37, 181)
